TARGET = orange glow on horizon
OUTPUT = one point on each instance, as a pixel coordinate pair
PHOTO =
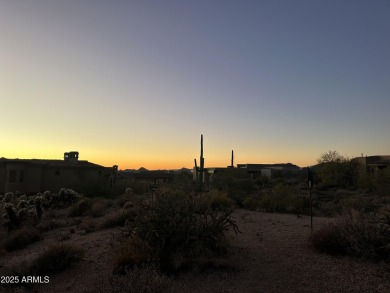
(152, 163)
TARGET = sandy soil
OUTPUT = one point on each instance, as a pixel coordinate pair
(271, 254)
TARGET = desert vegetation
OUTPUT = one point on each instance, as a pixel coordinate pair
(156, 235)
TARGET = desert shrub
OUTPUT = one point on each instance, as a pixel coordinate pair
(80, 208)
(128, 205)
(8, 197)
(10, 219)
(88, 226)
(171, 225)
(334, 169)
(220, 199)
(22, 204)
(55, 259)
(98, 207)
(282, 199)
(237, 195)
(137, 186)
(251, 203)
(381, 183)
(38, 207)
(23, 197)
(356, 234)
(64, 198)
(236, 182)
(355, 202)
(140, 279)
(55, 224)
(132, 252)
(21, 238)
(118, 218)
(68, 196)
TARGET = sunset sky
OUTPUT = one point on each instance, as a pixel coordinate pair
(135, 83)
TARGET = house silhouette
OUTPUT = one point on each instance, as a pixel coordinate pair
(36, 175)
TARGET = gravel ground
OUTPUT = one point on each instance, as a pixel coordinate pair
(271, 254)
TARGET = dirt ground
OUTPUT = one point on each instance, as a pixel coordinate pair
(271, 254)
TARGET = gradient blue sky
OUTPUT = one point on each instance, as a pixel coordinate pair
(135, 83)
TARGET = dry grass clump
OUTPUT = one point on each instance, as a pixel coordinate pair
(56, 259)
(140, 279)
(99, 207)
(220, 199)
(80, 208)
(132, 252)
(252, 203)
(118, 218)
(356, 234)
(282, 199)
(88, 226)
(21, 238)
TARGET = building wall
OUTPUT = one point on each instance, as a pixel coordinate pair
(55, 178)
(32, 179)
(70, 177)
(14, 177)
(3, 178)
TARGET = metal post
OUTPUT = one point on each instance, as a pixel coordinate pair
(311, 210)
(310, 185)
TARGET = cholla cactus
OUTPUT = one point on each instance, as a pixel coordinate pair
(128, 205)
(71, 196)
(23, 215)
(11, 214)
(38, 206)
(6, 222)
(23, 197)
(8, 197)
(47, 195)
(61, 193)
(22, 204)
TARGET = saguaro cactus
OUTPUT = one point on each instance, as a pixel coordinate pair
(201, 168)
(232, 164)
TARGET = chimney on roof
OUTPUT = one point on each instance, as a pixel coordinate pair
(71, 156)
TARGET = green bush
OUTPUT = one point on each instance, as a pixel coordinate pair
(356, 234)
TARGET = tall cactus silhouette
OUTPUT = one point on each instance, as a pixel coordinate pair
(201, 168)
(232, 164)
